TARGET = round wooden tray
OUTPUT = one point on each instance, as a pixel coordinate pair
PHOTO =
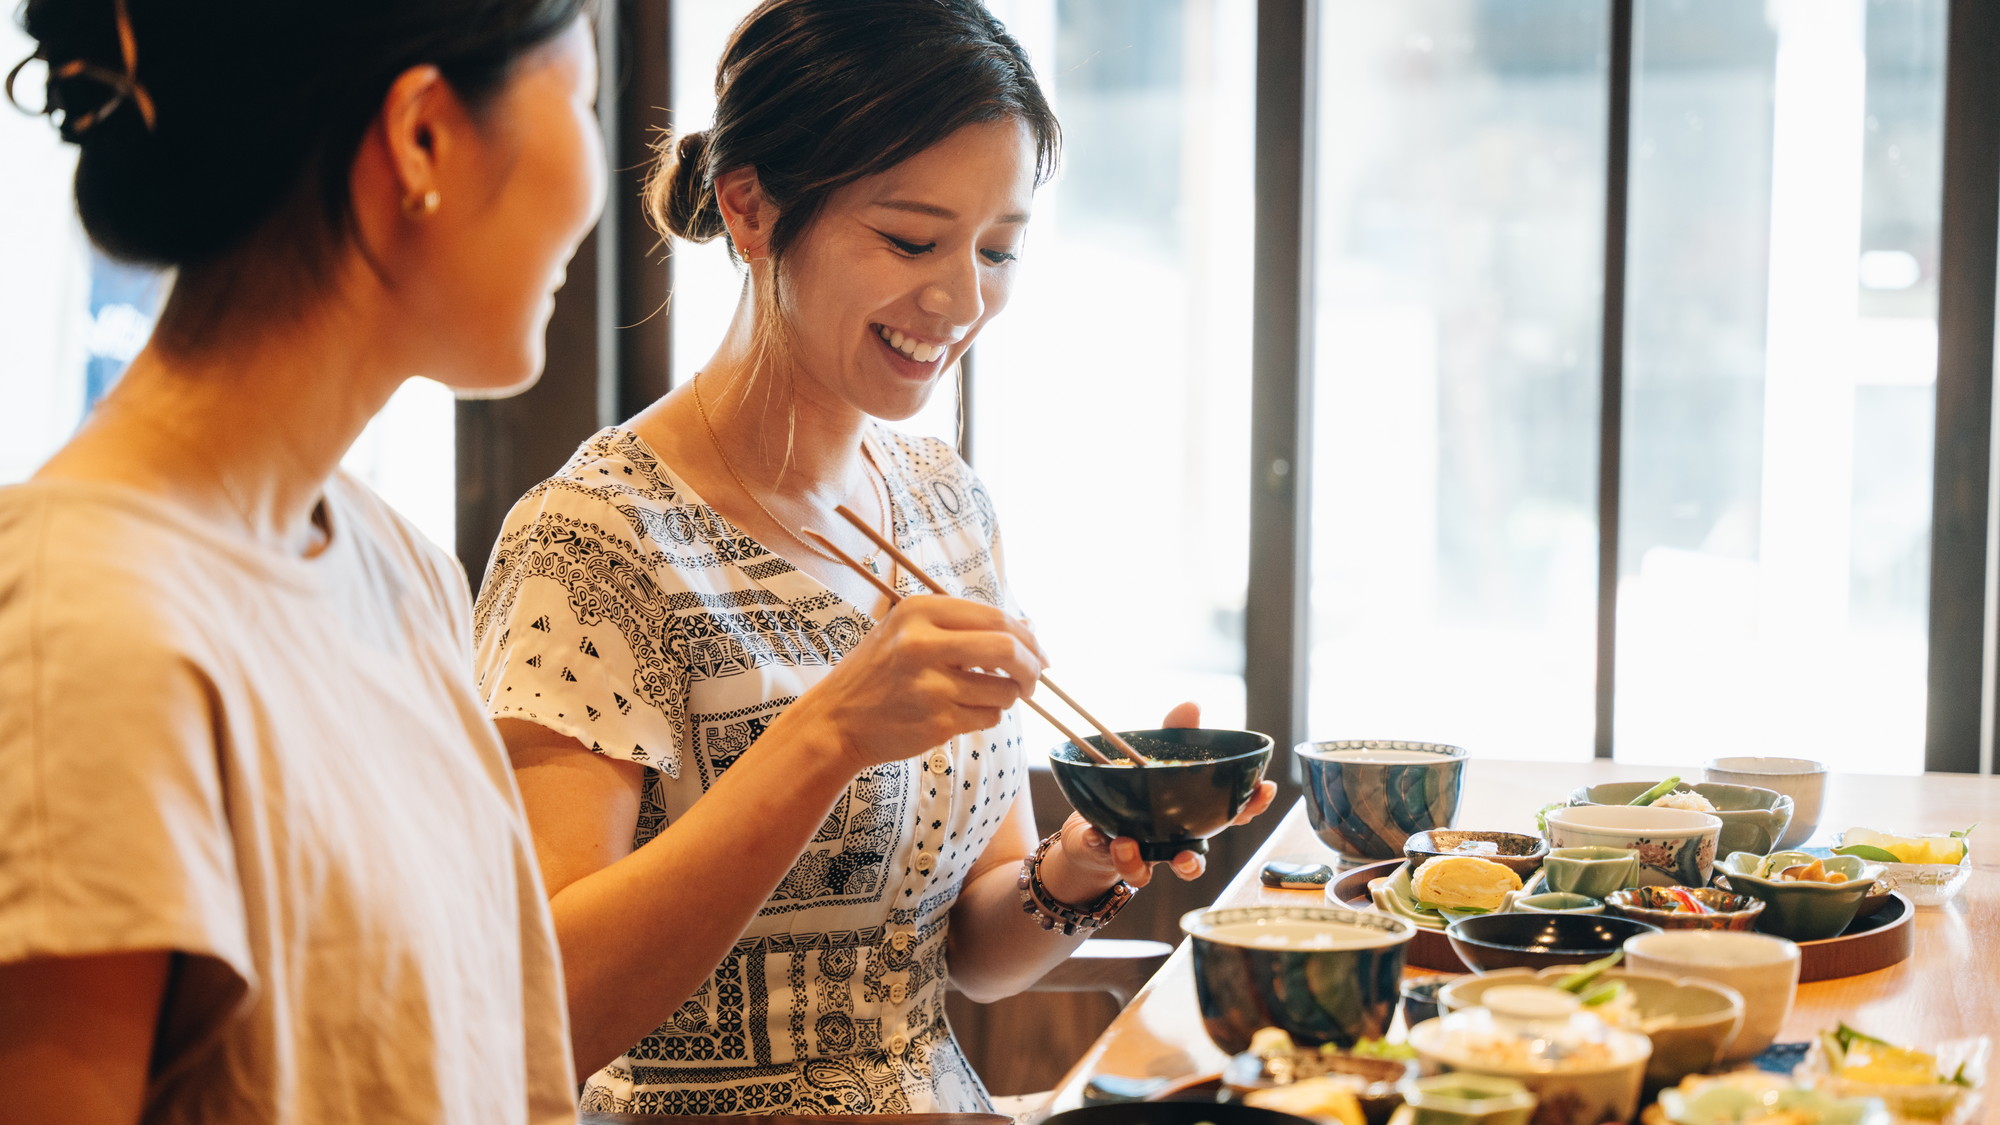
(1876, 942)
(1428, 950)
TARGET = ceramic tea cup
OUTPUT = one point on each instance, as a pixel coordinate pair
(1592, 872)
(1366, 798)
(1764, 969)
(1801, 779)
(1324, 974)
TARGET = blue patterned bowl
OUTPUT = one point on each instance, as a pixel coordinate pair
(1322, 973)
(1365, 799)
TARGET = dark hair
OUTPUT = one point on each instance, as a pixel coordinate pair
(249, 103)
(815, 94)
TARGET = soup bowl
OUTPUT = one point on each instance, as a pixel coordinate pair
(1323, 974)
(1196, 783)
(1366, 798)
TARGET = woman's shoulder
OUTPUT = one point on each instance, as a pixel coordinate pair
(931, 478)
(614, 484)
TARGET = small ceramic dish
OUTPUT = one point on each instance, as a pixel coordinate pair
(1747, 1095)
(1391, 894)
(1924, 884)
(1374, 1082)
(1517, 851)
(1552, 902)
(1591, 871)
(1941, 1101)
(1658, 906)
(1689, 1020)
(1753, 819)
(1801, 911)
(1536, 941)
(1463, 1098)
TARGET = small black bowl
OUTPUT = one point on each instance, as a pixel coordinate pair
(1487, 942)
(1199, 779)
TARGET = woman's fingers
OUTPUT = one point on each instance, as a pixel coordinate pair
(1183, 715)
(1267, 791)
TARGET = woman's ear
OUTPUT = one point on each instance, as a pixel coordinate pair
(746, 211)
(416, 133)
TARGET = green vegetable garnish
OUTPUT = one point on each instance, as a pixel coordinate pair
(1603, 993)
(1436, 909)
(1542, 816)
(1585, 974)
(1847, 1037)
(1380, 1049)
(1964, 832)
(1868, 851)
(1657, 791)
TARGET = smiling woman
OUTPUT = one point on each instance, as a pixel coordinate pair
(774, 814)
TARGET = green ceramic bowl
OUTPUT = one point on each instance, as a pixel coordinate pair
(1689, 1020)
(1753, 819)
(1801, 911)
(1591, 871)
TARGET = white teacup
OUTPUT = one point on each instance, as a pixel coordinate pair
(1764, 969)
(1802, 779)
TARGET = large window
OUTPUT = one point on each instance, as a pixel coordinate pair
(1780, 366)
(1458, 271)
(1779, 359)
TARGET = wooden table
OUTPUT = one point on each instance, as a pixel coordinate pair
(1950, 986)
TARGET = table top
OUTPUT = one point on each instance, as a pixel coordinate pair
(1950, 986)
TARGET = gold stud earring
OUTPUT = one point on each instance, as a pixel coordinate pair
(421, 206)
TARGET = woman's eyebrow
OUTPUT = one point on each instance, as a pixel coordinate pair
(936, 212)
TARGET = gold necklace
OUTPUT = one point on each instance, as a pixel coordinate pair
(694, 387)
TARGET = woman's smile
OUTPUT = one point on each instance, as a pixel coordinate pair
(910, 356)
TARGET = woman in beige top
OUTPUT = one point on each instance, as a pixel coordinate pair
(776, 815)
(261, 856)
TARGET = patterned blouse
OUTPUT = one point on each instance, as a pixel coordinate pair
(623, 611)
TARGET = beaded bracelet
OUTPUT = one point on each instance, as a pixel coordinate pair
(1036, 900)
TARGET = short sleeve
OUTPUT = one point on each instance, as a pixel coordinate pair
(570, 630)
(113, 830)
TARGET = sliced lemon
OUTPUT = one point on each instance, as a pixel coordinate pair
(1890, 1066)
(1911, 849)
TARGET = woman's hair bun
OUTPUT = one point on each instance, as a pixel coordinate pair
(197, 123)
(681, 198)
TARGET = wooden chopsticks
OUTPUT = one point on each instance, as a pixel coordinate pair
(1110, 736)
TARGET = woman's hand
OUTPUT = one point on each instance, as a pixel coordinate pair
(1092, 861)
(932, 669)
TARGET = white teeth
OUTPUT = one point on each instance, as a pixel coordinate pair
(909, 346)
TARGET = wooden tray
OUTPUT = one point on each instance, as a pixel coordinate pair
(1428, 950)
(1876, 942)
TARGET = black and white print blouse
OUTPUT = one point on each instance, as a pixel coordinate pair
(621, 610)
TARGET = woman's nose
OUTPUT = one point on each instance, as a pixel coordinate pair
(953, 295)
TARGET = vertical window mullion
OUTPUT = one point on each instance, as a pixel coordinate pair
(1611, 403)
(1962, 665)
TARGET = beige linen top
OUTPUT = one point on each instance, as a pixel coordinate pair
(278, 769)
